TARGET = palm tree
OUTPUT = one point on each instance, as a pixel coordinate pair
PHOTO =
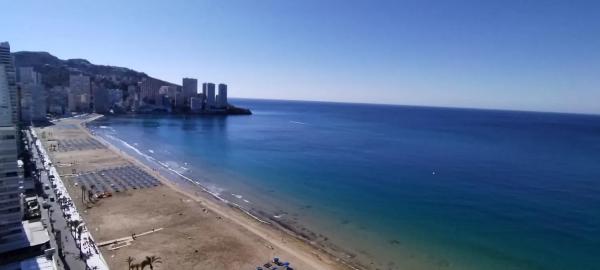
(129, 260)
(151, 260)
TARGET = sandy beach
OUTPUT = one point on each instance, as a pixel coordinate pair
(186, 229)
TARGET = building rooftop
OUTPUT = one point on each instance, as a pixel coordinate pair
(36, 233)
(41, 263)
(36, 263)
(33, 234)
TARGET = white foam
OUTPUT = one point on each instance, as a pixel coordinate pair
(237, 196)
(296, 122)
(213, 190)
(130, 147)
(151, 151)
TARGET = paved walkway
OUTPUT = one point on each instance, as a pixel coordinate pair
(60, 236)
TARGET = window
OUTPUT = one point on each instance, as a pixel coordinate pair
(7, 137)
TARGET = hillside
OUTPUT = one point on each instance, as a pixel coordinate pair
(56, 71)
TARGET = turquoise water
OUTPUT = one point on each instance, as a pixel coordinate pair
(399, 187)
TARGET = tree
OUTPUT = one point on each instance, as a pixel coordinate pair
(129, 260)
(150, 261)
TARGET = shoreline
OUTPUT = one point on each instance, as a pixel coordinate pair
(266, 225)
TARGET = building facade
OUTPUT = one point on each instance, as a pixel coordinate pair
(80, 84)
(222, 96)
(101, 99)
(33, 102)
(190, 87)
(11, 178)
(9, 69)
(33, 95)
(149, 90)
(58, 100)
(210, 96)
(28, 75)
(81, 89)
(195, 104)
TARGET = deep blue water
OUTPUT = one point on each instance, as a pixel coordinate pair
(431, 188)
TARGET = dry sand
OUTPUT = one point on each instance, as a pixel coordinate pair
(198, 232)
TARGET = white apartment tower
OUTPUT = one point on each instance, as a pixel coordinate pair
(9, 69)
(11, 181)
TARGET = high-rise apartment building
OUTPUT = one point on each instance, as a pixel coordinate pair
(33, 95)
(168, 90)
(222, 96)
(80, 84)
(204, 88)
(190, 87)
(101, 99)
(210, 96)
(58, 100)
(11, 181)
(5, 99)
(33, 102)
(9, 69)
(28, 75)
(81, 89)
(149, 90)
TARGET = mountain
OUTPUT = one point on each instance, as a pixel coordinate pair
(56, 71)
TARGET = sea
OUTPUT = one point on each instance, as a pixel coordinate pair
(394, 187)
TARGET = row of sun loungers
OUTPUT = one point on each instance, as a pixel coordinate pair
(117, 180)
(78, 144)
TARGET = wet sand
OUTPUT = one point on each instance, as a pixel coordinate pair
(199, 231)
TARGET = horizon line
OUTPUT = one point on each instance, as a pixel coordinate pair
(423, 106)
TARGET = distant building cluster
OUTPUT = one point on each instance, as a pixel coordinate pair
(149, 95)
(156, 95)
(31, 98)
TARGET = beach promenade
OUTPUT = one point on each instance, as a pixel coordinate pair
(178, 227)
(78, 246)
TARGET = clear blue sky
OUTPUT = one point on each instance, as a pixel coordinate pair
(529, 55)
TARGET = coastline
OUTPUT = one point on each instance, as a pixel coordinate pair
(265, 226)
